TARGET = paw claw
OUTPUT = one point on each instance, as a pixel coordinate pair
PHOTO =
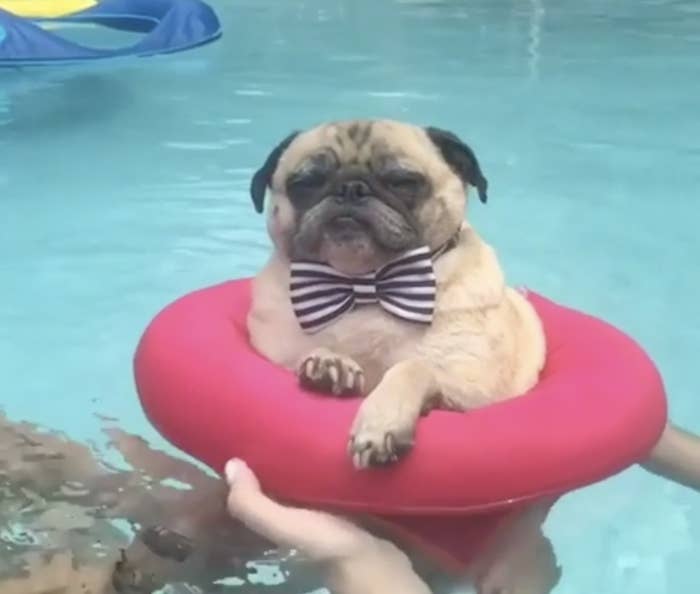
(324, 371)
(309, 367)
(374, 447)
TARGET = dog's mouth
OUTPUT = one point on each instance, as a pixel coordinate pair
(352, 238)
(346, 226)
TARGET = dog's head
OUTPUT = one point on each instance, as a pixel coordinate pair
(356, 194)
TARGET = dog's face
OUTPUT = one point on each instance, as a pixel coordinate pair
(356, 194)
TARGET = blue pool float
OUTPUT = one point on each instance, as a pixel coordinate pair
(169, 26)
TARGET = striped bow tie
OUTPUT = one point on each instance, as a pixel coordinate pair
(404, 287)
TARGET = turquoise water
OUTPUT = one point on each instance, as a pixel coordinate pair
(121, 189)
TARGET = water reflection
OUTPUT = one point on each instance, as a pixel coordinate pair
(70, 519)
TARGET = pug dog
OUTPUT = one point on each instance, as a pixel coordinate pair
(393, 295)
(378, 286)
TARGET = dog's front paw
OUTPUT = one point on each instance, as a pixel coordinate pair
(325, 371)
(379, 437)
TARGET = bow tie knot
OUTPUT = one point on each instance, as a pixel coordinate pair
(404, 287)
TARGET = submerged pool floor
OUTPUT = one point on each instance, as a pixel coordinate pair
(123, 187)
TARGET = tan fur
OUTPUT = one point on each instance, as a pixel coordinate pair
(485, 343)
(474, 308)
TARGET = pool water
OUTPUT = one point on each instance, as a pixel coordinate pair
(123, 187)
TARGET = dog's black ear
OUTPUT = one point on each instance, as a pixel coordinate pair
(263, 176)
(460, 158)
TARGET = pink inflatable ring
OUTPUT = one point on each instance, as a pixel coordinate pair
(599, 408)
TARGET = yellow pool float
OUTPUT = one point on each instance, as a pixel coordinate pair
(45, 9)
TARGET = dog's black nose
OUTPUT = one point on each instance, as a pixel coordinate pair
(353, 190)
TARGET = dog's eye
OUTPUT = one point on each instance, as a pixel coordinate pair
(306, 180)
(403, 181)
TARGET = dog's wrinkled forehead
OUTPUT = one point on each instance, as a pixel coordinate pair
(360, 144)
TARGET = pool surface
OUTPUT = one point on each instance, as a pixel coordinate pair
(123, 187)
